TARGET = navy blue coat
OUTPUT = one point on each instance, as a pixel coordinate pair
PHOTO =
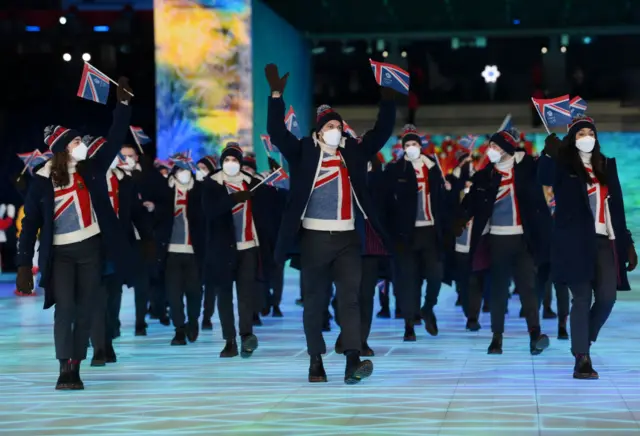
(304, 157)
(131, 211)
(401, 202)
(195, 218)
(221, 248)
(573, 242)
(152, 187)
(534, 212)
(39, 209)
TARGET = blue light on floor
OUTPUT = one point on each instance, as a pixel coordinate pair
(444, 385)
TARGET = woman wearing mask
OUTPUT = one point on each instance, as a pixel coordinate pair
(415, 209)
(592, 249)
(68, 203)
(181, 238)
(237, 219)
(205, 167)
(506, 197)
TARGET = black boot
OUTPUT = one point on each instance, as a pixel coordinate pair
(249, 345)
(317, 373)
(257, 322)
(64, 379)
(583, 368)
(180, 337)
(496, 344)
(473, 325)
(548, 313)
(562, 329)
(538, 342)
(207, 324)
(430, 321)
(110, 353)
(409, 332)
(165, 320)
(75, 381)
(367, 351)
(193, 331)
(339, 349)
(230, 349)
(99, 358)
(356, 370)
(384, 313)
(276, 312)
(141, 328)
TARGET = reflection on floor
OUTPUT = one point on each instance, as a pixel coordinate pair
(445, 385)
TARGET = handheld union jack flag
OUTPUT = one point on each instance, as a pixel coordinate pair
(506, 124)
(266, 142)
(140, 137)
(577, 106)
(94, 85)
(468, 142)
(390, 76)
(291, 122)
(183, 161)
(553, 111)
(34, 158)
(277, 179)
(346, 128)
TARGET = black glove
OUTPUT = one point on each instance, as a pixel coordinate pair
(632, 259)
(273, 165)
(24, 280)
(552, 145)
(276, 83)
(123, 87)
(387, 93)
(20, 183)
(241, 196)
(375, 164)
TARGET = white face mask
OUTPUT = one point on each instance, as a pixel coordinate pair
(412, 152)
(183, 176)
(231, 168)
(200, 175)
(129, 163)
(586, 144)
(80, 152)
(332, 137)
(494, 155)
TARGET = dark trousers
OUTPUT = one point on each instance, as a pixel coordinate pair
(142, 289)
(368, 282)
(469, 285)
(419, 261)
(587, 319)
(209, 301)
(328, 257)
(275, 283)
(244, 272)
(76, 270)
(182, 279)
(106, 310)
(544, 291)
(384, 295)
(510, 258)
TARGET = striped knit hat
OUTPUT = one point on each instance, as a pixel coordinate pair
(232, 149)
(581, 122)
(506, 141)
(211, 162)
(324, 114)
(410, 133)
(57, 137)
(94, 143)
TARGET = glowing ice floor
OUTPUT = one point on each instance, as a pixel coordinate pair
(445, 385)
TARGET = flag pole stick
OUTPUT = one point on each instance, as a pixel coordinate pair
(110, 79)
(26, 164)
(263, 180)
(541, 117)
(135, 138)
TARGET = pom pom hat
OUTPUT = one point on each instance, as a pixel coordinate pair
(579, 123)
(410, 133)
(57, 137)
(506, 141)
(232, 149)
(324, 114)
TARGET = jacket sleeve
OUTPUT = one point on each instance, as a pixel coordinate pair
(215, 200)
(546, 170)
(628, 240)
(376, 138)
(466, 209)
(31, 224)
(140, 217)
(115, 138)
(281, 137)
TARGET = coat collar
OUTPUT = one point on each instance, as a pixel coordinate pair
(173, 183)
(221, 178)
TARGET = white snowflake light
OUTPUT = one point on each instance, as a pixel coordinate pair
(490, 74)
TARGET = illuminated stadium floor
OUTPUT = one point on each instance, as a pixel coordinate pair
(446, 385)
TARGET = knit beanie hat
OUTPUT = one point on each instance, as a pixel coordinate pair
(506, 141)
(232, 149)
(93, 143)
(210, 162)
(410, 133)
(57, 137)
(324, 114)
(580, 123)
(250, 162)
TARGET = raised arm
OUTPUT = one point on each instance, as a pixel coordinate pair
(281, 137)
(119, 126)
(376, 138)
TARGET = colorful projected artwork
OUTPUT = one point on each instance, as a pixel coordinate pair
(203, 75)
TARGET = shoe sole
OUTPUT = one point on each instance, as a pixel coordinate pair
(249, 346)
(140, 334)
(364, 371)
(409, 339)
(563, 338)
(99, 363)
(318, 379)
(229, 356)
(541, 344)
(579, 376)
(178, 343)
